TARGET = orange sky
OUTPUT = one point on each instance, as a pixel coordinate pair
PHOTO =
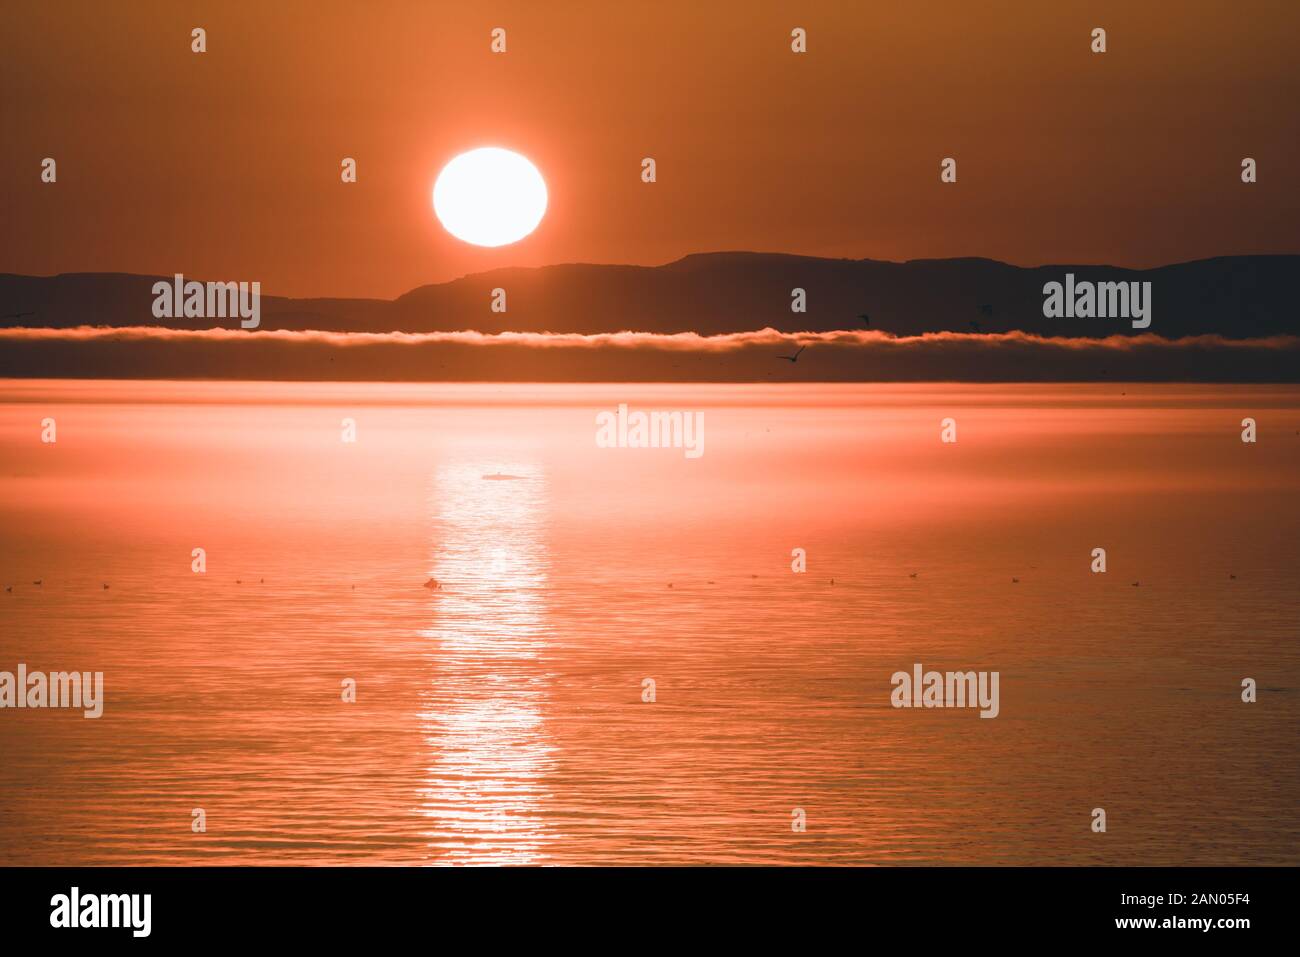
(226, 165)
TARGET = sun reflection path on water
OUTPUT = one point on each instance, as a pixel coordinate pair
(485, 789)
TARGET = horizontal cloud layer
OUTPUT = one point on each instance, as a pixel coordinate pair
(847, 355)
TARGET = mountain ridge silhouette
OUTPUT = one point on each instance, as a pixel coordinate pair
(723, 292)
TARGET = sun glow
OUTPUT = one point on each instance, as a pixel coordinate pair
(489, 197)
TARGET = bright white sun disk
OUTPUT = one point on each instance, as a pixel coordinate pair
(489, 197)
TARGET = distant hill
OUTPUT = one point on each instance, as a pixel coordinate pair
(1234, 296)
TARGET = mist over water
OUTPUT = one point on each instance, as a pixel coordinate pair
(499, 718)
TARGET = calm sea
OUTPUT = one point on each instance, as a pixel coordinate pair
(500, 718)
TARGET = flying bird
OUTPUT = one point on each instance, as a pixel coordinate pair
(433, 583)
(865, 318)
(19, 315)
(793, 358)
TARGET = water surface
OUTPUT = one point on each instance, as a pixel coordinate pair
(500, 719)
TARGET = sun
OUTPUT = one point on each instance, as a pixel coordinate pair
(489, 197)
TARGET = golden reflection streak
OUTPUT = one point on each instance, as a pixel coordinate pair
(486, 788)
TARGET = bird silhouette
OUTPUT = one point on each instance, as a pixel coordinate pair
(9, 587)
(433, 583)
(865, 318)
(1136, 584)
(1015, 581)
(19, 315)
(38, 581)
(105, 586)
(912, 575)
(793, 358)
